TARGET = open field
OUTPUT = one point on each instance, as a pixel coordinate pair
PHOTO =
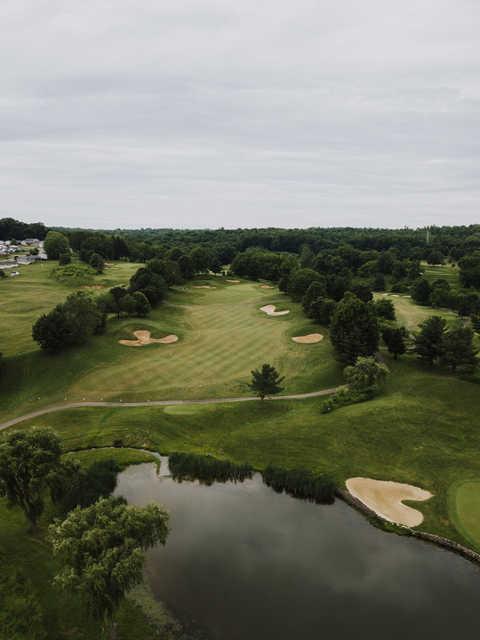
(422, 431)
(222, 336)
(35, 291)
(448, 272)
(410, 315)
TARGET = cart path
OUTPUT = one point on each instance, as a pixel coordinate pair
(159, 403)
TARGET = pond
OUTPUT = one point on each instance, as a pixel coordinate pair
(245, 562)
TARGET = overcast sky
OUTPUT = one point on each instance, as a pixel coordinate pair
(208, 113)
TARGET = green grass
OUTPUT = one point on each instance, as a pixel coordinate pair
(223, 336)
(422, 430)
(410, 315)
(36, 291)
(464, 509)
(448, 272)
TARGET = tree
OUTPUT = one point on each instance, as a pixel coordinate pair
(384, 309)
(354, 329)
(435, 257)
(200, 258)
(458, 349)
(101, 549)
(378, 283)
(142, 305)
(470, 270)
(186, 267)
(365, 377)
(429, 341)
(299, 281)
(441, 294)
(97, 262)
(394, 338)
(128, 305)
(55, 244)
(316, 290)
(28, 462)
(64, 258)
(322, 310)
(266, 381)
(421, 291)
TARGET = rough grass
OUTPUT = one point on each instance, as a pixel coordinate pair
(36, 291)
(464, 509)
(223, 336)
(423, 430)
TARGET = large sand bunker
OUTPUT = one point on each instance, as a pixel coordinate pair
(266, 286)
(233, 281)
(269, 309)
(143, 338)
(310, 338)
(204, 286)
(386, 499)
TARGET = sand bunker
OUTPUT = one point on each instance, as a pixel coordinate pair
(266, 286)
(310, 338)
(269, 309)
(386, 499)
(143, 338)
(233, 281)
(203, 286)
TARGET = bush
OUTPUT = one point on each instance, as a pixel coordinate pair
(64, 259)
(207, 469)
(300, 483)
(74, 274)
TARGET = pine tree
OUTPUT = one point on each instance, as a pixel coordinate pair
(429, 342)
(266, 381)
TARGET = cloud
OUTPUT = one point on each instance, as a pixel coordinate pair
(215, 113)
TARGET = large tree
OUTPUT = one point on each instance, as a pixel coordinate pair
(266, 381)
(421, 291)
(56, 244)
(394, 338)
(365, 377)
(354, 329)
(429, 340)
(458, 348)
(29, 461)
(101, 550)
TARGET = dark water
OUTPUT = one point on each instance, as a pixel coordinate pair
(249, 564)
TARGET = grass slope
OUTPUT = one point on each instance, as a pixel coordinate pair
(422, 430)
(410, 315)
(464, 509)
(223, 335)
(448, 272)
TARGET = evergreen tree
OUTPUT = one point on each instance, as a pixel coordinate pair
(354, 329)
(429, 341)
(322, 310)
(421, 291)
(266, 381)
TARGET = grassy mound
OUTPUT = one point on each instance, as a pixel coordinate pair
(76, 274)
(464, 508)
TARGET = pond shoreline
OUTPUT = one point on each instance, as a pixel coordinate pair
(348, 498)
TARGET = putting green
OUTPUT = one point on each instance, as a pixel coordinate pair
(464, 508)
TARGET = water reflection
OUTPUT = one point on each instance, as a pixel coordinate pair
(248, 563)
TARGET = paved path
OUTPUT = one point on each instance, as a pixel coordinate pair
(158, 403)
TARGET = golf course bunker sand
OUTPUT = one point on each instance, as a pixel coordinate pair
(385, 498)
(269, 309)
(310, 338)
(234, 281)
(266, 286)
(204, 286)
(143, 338)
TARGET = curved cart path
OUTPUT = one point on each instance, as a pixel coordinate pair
(158, 403)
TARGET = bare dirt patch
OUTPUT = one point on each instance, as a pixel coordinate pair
(310, 338)
(266, 286)
(93, 287)
(269, 309)
(233, 281)
(144, 337)
(204, 286)
(386, 498)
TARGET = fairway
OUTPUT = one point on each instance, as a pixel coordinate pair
(464, 507)
(411, 315)
(222, 336)
(448, 272)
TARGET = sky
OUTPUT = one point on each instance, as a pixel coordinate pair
(220, 113)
